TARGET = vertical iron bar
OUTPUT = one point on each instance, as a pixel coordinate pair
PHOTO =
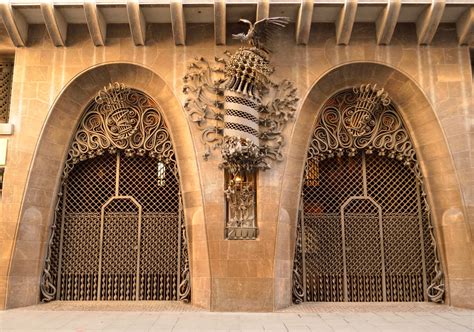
(179, 247)
(61, 237)
(344, 264)
(364, 174)
(117, 174)
(422, 238)
(102, 220)
(379, 208)
(101, 240)
(303, 247)
(138, 252)
(384, 282)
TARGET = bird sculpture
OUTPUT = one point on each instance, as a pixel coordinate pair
(261, 31)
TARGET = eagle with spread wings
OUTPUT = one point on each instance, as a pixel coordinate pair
(261, 31)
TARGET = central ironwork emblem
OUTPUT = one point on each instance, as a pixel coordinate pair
(360, 119)
(121, 117)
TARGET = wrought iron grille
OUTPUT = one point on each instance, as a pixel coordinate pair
(364, 232)
(240, 192)
(6, 78)
(119, 231)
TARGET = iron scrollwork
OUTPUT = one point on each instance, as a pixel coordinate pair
(120, 119)
(184, 290)
(241, 111)
(122, 140)
(298, 275)
(205, 85)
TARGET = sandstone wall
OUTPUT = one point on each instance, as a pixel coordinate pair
(432, 86)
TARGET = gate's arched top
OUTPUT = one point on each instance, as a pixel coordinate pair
(120, 118)
(362, 118)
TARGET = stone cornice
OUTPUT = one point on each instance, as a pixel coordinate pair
(17, 15)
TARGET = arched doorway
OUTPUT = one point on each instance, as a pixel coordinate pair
(364, 232)
(119, 231)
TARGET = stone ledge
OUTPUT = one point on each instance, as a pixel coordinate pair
(6, 128)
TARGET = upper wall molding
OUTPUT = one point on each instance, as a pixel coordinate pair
(385, 14)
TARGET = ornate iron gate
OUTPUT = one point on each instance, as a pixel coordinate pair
(119, 231)
(364, 231)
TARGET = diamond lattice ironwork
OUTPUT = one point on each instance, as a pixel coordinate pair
(6, 78)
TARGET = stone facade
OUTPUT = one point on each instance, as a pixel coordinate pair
(431, 86)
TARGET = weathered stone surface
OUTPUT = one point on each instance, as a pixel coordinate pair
(432, 87)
